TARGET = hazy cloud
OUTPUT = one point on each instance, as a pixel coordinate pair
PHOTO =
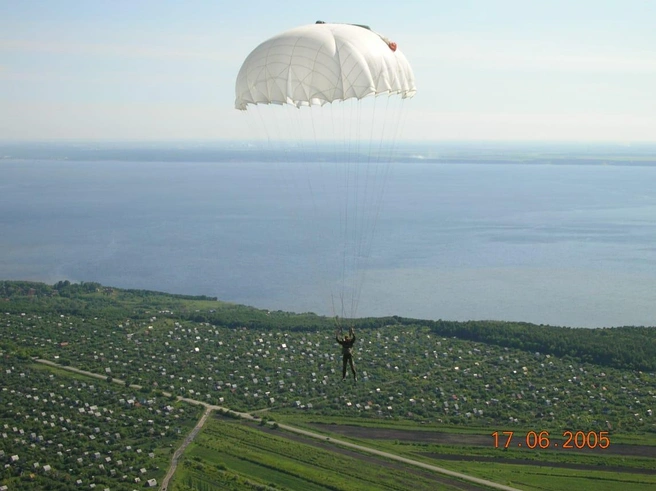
(531, 55)
(118, 50)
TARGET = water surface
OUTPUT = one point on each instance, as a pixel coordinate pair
(555, 244)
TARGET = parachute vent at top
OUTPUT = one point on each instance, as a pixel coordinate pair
(321, 63)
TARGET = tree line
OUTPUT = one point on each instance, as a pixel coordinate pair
(627, 347)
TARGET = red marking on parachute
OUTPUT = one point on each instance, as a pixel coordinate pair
(392, 45)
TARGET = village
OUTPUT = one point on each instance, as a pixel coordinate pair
(60, 429)
(404, 373)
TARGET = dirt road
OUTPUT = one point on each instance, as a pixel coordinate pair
(178, 453)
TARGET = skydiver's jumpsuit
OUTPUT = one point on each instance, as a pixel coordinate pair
(347, 356)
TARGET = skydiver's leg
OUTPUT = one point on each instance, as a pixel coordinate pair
(344, 361)
(355, 376)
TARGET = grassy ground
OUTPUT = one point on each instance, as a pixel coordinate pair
(248, 456)
(529, 477)
(229, 448)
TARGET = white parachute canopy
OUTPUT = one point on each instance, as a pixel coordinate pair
(306, 95)
(320, 63)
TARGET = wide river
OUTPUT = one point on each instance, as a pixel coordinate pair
(567, 245)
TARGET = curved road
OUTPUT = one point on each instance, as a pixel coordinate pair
(210, 407)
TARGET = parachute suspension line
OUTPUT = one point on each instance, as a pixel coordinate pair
(258, 129)
(263, 126)
(379, 179)
(318, 230)
(352, 196)
(279, 133)
(286, 142)
(354, 206)
(308, 164)
(396, 131)
(359, 198)
(295, 117)
(399, 115)
(359, 208)
(332, 299)
(347, 164)
(341, 146)
(289, 184)
(361, 255)
(373, 182)
(338, 325)
(318, 157)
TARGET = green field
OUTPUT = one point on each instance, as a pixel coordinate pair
(233, 448)
(282, 460)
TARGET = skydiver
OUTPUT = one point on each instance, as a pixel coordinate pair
(347, 355)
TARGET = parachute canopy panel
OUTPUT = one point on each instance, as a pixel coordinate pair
(321, 63)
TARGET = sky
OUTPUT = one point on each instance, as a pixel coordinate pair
(502, 70)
